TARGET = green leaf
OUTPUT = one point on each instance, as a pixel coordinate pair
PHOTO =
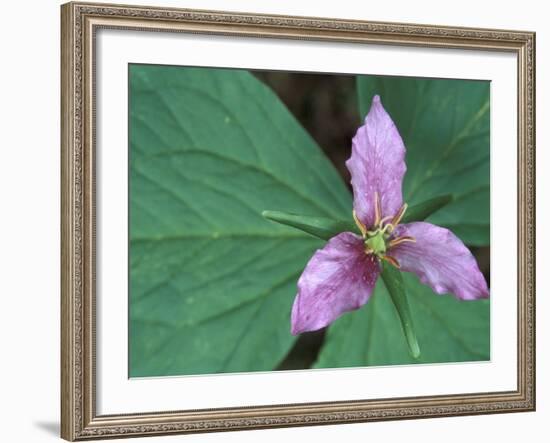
(445, 125)
(423, 210)
(447, 329)
(321, 227)
(466, 216)
(398, 294)
(211, 281)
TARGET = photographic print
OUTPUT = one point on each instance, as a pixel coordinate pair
(273, 221)
(287, 221)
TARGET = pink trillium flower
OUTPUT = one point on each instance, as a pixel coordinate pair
(341, 276)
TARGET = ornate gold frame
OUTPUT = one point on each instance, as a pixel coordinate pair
(79, 22)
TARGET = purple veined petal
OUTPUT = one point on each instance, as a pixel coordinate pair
(338, 278)
(440, 260)
(377, 164)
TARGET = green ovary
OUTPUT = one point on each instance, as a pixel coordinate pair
(375, 243)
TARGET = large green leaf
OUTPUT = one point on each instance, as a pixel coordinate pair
(448, 330)
(445, 126)
(211, 281)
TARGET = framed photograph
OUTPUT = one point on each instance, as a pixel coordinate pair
(282, 221)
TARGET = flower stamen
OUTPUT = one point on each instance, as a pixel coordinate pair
(384, 220)
(398, 240)
(377, 209)
(391, 260)
(359, 224)
(378, 240)
(397, 219)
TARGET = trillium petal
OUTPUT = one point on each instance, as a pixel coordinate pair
(440, 260)
(338, 278)
(377, 165)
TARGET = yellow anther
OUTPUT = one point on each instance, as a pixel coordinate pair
(397, 219)
(377, 210)
(359, 224)
(398, 240)
(392, 261)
